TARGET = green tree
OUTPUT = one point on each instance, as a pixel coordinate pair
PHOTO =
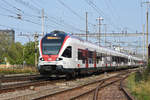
(29, 53)
(14, 53)
(4, 45)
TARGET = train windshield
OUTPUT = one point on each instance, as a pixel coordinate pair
(51, 45)
(51, 48)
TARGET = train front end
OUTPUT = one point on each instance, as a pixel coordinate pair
(50, 46)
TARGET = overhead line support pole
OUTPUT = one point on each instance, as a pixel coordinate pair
(143, 42)
(99, 31)
(105, 33)
(43, 22)
(86, 26)
(147, 14)
(36, 48)
(147, 33)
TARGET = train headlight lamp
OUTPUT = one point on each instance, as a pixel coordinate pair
(58, 59)
(42, 59)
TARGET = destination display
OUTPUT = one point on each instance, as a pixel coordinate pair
(50, 37)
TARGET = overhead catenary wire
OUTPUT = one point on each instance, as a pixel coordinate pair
(6, 26)
(10, 11)
(70, 9)
(23, 18)
(112, 10)
(38, 5)
(74, 12)
(13, 12)
(25, 14)
(21, 12)
(31, 7)
(65, 25)
(25, 4)
(11, 5)
(101, 13)
(18, 9)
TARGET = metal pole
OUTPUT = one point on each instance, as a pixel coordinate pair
(147, 14)
(36, 40)
(99, 31)
(143, 41)
(105, 33)
(86, 26)
(147, 33)
(43, 22)
(23, 57)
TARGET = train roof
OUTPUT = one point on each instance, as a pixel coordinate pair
(103, 49)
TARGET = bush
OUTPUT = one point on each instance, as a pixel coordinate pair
(146, 72)
(138, 76)
(139, 84)
(140, 89)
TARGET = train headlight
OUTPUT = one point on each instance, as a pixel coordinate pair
(58, 59)
(42, 59)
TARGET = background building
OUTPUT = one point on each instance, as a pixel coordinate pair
(8, 35)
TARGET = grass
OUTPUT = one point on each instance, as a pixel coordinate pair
(141, 89)
(30, 70)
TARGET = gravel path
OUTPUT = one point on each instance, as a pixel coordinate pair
(111, 92)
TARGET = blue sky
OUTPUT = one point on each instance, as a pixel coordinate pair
(69, 15)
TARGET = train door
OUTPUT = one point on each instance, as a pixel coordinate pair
(129, 60)
(103, 60)
(108, 60)
(94, 59)
(67, 57)
(80, 58)
(86, 59)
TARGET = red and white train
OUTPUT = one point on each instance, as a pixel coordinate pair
(62, 53)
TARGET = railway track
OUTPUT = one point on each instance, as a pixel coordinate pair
(12, 83)
(93, 94)
(65, 92)
(15, 78)
(88, 91)
(26, 83)
(128, 95)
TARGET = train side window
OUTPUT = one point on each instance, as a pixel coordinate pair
(68, 52)
(90, 56)
(80, 57)
(114, 59)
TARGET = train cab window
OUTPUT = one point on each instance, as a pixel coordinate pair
(68, 52)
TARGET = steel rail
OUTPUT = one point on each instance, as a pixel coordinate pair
(78, 87)
(20, 86)
(128, 95)
(96, 91)
(18, 78)
(95, 95)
